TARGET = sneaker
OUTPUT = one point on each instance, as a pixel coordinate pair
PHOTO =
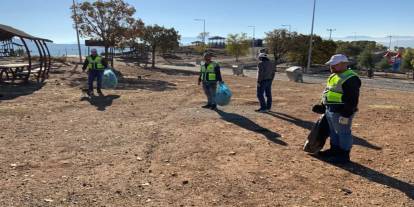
(213, 107)
(342, 157)
(90, 93)
(333, 151)
(206, 106)
(100, 92)
(261, 110)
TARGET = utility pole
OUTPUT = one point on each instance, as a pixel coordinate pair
(204, 29)
(254, 35)
(330, 33)
(77, 31)
(311, 39)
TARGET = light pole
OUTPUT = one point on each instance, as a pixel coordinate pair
(287, 25)
(254, 34)
(204, 29)
(77, 31)
(389, 47)
(311, 38)
(330, 33)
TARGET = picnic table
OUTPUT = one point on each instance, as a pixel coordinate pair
(15, 69)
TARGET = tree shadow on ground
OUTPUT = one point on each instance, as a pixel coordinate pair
(376, 176)
(101, 102)
(248, 124)
(174, 71)
(309, 125)
(131, 84)
(9, 91)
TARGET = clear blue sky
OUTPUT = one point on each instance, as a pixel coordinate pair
(377, 18)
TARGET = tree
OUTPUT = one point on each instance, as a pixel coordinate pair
(279, 41)
(383, 64)
(237, 45)
(408, 57)
(203, 35)
(322, 50)
(366, 59)
(160, 39)
(108, 21)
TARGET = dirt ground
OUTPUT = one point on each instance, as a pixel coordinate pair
(148, 143)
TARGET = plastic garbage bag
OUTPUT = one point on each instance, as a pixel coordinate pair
(223, 94)
(317, 137)
(109, 79)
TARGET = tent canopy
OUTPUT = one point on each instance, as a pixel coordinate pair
(7, 32)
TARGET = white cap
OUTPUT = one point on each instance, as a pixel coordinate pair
(262, 55)
(336, 59)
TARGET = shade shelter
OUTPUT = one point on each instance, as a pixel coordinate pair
(217, 42)
(38, 68)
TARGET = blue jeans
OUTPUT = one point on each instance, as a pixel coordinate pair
(210, 91)
(341, 135)
(265, 87)
(98, 74)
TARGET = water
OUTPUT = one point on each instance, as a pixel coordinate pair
(58, 50)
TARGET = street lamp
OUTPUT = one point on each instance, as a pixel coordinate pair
(311, 38)
(287, 25)
(254, 34)
(204, 29)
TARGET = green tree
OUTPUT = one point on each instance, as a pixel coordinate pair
(366, 59)
(383, 64)
(407, 58)
(160, 39)
(298, 52)
(322, 50)
(278, 41)
(237, 45)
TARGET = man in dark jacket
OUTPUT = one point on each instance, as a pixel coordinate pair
(340, 102)
(209, 76)
(96, 66)
(265, 75)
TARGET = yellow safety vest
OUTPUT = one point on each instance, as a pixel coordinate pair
(334, 92)
(95, 64)
(209, 74)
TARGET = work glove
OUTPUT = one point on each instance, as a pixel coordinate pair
(319, 109)
(343, 120)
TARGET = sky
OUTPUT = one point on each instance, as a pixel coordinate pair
(375, 18)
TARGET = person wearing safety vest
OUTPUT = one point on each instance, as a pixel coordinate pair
(339, 103)
(96, 66)
(209, 76)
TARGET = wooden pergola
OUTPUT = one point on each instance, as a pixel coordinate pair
(40, 70)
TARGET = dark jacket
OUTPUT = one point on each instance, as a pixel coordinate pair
(216, 70)
(85, 64)
(350, 97)
(265, 70)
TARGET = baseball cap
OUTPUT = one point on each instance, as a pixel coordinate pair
(336, 59)
(262, 55)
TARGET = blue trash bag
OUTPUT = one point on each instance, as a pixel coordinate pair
(223, 94)
(109, 79)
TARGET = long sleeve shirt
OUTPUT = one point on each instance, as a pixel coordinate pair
(86, 62)
(265, 70)
(350, 98)
(216, 70)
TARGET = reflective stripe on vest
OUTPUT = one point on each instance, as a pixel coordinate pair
(95, 64)
(209, 74)
(334, 92)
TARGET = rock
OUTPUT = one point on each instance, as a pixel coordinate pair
(139, 158)
(346, 191)
(145, 184)
(185, 182)
(13, 165)
(48, 200)
(232, 153)
(174, 174)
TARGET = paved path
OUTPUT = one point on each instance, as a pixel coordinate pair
(383, 83)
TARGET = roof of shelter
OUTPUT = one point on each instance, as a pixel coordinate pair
(7, 32)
